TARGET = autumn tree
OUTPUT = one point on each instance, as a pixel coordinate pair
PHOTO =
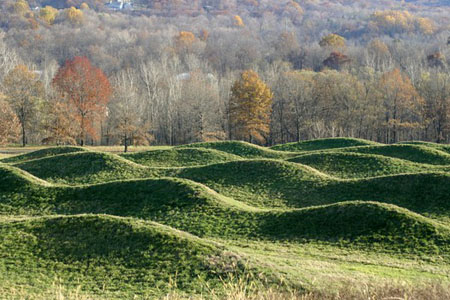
(378, 55)
(396, 21)
(237, 21)
(435, 89)
(250, 108)
(21, 7)
(59, 126)
(23, 90)
(74, 16)
(87, 89)
(9, 124)
(48, 14)
(336, 61)
(293, 11)
(183, 41)
(402, 102)
(333, 42)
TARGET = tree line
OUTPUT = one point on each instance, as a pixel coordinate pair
(255, 71)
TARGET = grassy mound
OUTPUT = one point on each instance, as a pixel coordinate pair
(192, 207)
(47, 152)
(411, 152)
(266, 183)
(357, 165)
(83, 167)
(242, 149)
(272, 183)
(121, 258)
(367, 223)
(272, 205)
(322, 144)
(442, 147)
(182, 157)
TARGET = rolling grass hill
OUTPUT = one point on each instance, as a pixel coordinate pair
(358, 165)
(192, 207)
(182, 157)
(321, 144)
(242, 149)
(442, 147)
(202, 217)
(48, 152)
(110, 256)
(83, 167)
(414, 153)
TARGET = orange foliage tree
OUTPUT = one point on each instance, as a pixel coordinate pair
(184, 41)
(250, 107)
(402, 102)
(237, 21)
(9, 124)
(87, 89)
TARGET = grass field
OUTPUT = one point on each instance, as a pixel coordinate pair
(322, 219)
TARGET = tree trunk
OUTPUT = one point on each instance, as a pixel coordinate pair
(24, 138)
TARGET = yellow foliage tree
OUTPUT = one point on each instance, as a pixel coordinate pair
(21, 7)
(396, 21)
(48, 14)
(250, 108)
(84, 6)
(332, 41)
(402, 102)
(237, 21)
(74, 15)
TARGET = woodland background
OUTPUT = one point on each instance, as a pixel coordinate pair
(176, 72)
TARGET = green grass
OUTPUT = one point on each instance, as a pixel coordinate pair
(226, 217)
(321, 144)
(182, 157)
(110, 256)
(83, 168)
(191, 207)
(442, 147)
(411, 152)
(358, 165)
(239, 148)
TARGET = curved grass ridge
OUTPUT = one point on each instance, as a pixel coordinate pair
(322, 144)
(84, 168)
(242, 149)
(47, 152)
(124, 256)
(272, 183)
(442, 147)
(411, 152)
(258, 183)
(359, 165)
(180, 157)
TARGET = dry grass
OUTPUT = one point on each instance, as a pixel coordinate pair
(353, 291)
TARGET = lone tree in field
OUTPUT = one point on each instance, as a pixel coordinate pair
(23, 90)
(250, 108)
(87, 90)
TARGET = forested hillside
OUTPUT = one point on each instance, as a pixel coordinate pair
(175, 72)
